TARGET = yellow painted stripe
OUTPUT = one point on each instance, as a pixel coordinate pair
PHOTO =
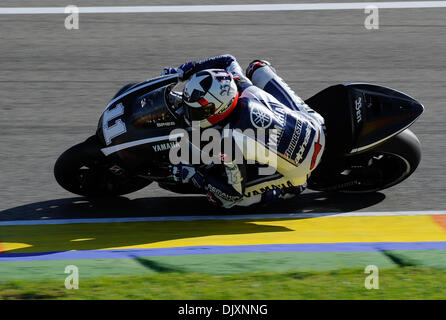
(162, 234)
(322, 230)
(9, 246)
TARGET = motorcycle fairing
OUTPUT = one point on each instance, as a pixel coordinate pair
(359, 116)
(147, 119)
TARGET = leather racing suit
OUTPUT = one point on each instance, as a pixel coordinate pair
(291, 131)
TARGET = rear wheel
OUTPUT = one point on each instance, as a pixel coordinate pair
(82, 170)
(379, 168)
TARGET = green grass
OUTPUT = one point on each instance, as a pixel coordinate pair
(395, 283)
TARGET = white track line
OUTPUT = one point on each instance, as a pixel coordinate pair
(231, 8)
(228, 217)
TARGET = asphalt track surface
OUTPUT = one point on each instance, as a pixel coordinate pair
(54, 84)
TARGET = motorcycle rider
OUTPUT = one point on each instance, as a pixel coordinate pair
(219, 95)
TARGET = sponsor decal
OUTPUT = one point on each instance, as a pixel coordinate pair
(288, 184)
(165, 146)
(305, 145)
(273, 139)
(260, 119)
(276, 132)
(294, 139)
(358, 107)
(165, 124)
(291, 136)
(280, 117)
(160, 119)
(218, 193)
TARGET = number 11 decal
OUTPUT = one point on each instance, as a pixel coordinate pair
(117, 128)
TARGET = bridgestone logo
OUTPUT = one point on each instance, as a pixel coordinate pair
(300, 154)
(294, 139)
(221, 194)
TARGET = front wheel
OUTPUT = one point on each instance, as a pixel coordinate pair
(82, 170)
(379, 168)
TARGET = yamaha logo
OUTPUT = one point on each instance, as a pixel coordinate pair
(260, 119)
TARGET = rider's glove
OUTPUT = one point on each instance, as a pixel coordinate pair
(185, 71)
(170, 70)
(186, 174)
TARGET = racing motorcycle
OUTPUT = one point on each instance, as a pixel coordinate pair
(369, 145)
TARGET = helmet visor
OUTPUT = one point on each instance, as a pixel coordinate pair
(198, 114)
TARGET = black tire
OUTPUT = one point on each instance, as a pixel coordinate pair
(82, 170)
(391, 163)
